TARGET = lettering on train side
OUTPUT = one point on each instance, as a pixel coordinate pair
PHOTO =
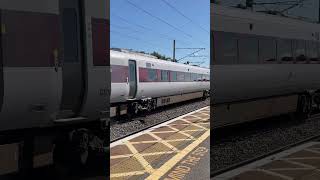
(104, 92)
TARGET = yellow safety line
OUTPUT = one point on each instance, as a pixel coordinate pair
(159, 153)
(158, 132)
(163, 142)
(155, 174)
(167, 140)
(181, 132)
(195, 124)
(126, 174)
(190, 130)
(196, 116)
(121, 156)
(173, 161)
(143, 154)
(140, 158)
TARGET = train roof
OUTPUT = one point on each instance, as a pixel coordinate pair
(238, 20)
(138, 56)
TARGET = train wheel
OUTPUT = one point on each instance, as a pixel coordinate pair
(60, 157)
(304, 106)
(71, 153)
(154, 104)
(133, 109)
(205, 95)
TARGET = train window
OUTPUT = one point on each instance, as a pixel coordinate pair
(312, 51)
(193, 76)
(199, 77)
(248, 50)
(299, 50)
(187, 77)
(206, 77)
(71, 31)
(180, 76)
(152, 75)
(164, 75)
(267, 50)
(226, 48)
(173, 76)
(284, 50)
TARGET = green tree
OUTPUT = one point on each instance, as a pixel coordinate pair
(160, 56)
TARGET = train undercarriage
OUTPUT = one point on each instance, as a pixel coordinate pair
(66, 149)
(133, 107)
(299, 106)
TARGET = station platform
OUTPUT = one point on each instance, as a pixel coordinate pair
(301, 162)
(176, 149)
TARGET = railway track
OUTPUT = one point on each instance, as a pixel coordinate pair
(240, 164)
(260, 156)
(157, 117)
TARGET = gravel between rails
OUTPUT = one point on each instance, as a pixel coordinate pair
(241, 148)
(118, 130)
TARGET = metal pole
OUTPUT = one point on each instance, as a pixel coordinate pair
(174, 51)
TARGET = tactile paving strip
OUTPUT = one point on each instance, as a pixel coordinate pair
(299, 163)
(148, 155)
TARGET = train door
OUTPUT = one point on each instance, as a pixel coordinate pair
(73, 59)
(132, 79)
(1, 63)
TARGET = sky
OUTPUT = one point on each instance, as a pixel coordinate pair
(308, 10)
(151, 25)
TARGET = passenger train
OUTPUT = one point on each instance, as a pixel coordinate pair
(142, 82)
(54, 70)
(262, 65)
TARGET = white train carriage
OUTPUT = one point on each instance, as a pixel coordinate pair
(263, 65)
(55, 73)
(144, 82)
(53, 68)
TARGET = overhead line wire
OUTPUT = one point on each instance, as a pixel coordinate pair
(179, 12)
(160, 19)
(151, 30)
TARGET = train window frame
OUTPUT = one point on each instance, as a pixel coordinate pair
(194, 76)
(288, 57)
(246, 45)
(265, 45)
(152, 72)
(199, 77)
(173, 76)
(187, 77)
(301, 46)
(180, 76)
(312, 56)
(221, 39)
(164, 76)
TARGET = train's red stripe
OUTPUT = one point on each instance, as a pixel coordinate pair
(119, 74)
(143, 75)
(29, 38)
(100, 42)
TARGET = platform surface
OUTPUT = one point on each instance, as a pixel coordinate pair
(176, 149)
(301, 162)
